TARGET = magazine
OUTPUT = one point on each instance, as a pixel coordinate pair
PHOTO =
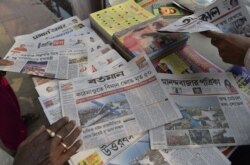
(214, 113)
(144, 39)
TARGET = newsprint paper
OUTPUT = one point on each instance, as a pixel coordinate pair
(59, 27)
(55, 51)
(229, 16)
(122, 103)
(214, 113)
(135, 150)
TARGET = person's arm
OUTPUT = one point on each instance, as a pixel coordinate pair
(232, 48)
(53, 146)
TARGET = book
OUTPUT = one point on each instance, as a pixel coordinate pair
(193, 5)
(144, 38)
(142, 3)
(183, 61)
(117, 18)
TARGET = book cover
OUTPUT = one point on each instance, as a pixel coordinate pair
(144, 3)
(118, 17)
(183, 61)
(144, 38)
(172, 64)
(198, 62)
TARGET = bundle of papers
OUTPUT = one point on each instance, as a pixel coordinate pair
(129, 113)
(60, 51)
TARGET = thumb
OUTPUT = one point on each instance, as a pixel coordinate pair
(6, 62)
(213, 34)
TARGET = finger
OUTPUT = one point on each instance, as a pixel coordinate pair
(216, 42)
(70, 152)
(6, 62)
(59, 124)
(64, 131)
(69, 140)
(54, 128)
(213, 34)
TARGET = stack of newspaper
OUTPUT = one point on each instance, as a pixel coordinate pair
(129, 113)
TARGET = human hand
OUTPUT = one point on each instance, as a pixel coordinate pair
(41, 148)
(232, 48)
(4, 63)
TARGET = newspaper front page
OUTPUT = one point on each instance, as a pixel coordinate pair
(49, 92)
(51, 30)
(135, 150)
(214, 113)
(116, 105)
(228, 16)
(61, 58)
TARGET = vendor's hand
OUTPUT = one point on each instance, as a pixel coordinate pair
(4, 63)
(41, 148)
(232, 48)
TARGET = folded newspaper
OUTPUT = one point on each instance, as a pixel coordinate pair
(227, 16)
(214, 112)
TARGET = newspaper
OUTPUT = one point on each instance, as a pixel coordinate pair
(50, 30)
(60, 64)
(122, 103)
(48, 89)
(228, 16)
(49, 92)
(214, 113)
(51, 107)
(135, 150)
(61, 58)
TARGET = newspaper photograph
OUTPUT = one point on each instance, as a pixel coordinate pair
(41, 80)
(228, 16)
(135, 150)
(60, 64)
(214, 112)
(51, 107)
(48, 89)
(124, 102)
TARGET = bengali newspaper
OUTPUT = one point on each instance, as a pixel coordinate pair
(118, 104)
(52, 107)
(135, 150)
(228, 16)
(48, 91)
(59, 27)
(61, 58)
(214, 112)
